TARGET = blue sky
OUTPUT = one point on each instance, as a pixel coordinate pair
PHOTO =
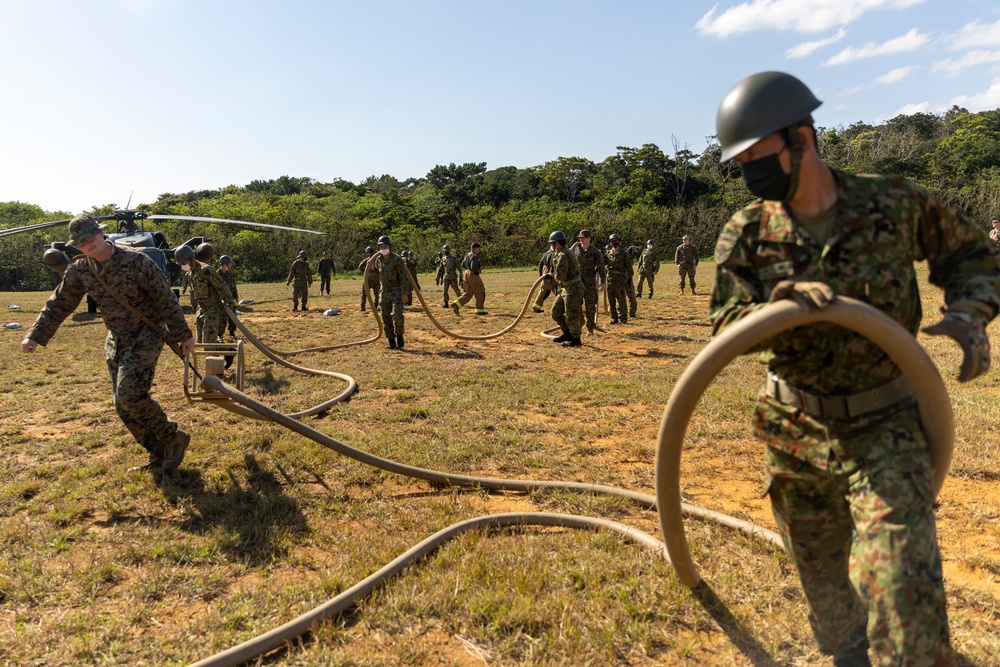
(105, 97)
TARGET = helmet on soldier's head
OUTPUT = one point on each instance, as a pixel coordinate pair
(446, 247)
(557, 237)
(183, 254)
(649, 242)
(384, 239)
(205, 252)
(370, 250)
(758, 105)
(303, 254)
(615, 237)
(225, 259)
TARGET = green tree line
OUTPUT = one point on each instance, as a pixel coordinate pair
(641, 193)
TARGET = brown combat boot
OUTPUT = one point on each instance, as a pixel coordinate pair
(154, 465)
(173, 451)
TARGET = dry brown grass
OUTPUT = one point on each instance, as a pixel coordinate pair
(101, 566)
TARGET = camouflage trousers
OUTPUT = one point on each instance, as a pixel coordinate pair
(453, 284)
(853, 501)
(473, 288)
(686, 270)
(633, 305)
(374, 286)
(647, 276)
(590, 298)
(324, 283)
(617, 294)
(210, 323)
(300, 292)
(392, 314)
(567, 309)
(131, 365)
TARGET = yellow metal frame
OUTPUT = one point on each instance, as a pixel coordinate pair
(193, 389)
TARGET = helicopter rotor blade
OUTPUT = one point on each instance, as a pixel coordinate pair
(197, 218)
(31, 228)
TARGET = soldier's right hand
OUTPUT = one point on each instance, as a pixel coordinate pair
(28, 345)
(812, 295)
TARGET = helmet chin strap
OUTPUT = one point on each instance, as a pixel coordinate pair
(795, 147)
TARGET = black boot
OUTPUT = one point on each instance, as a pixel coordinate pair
(573, 342)
(399, 342)
(565, 338)
(391, 345)
(856, 658)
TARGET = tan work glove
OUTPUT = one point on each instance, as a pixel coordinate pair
(812, 295)
(967, 327)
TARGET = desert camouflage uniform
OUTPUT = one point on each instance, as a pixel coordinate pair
(449, 271)
(326, 268)
(619, 269)
(544, 266)
(230, 279)
(132, 348)
(853, 497)
(649, 266)
(373, 282)
(567, 309)
(392, 278)
(591, 266)
(686, 259)
(300, 275)
(211, 291)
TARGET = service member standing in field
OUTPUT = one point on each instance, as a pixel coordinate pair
(410, 262)
(301, 275)
(686, 259)
(327, 269)
(591, 266)
(567, 309)
(850, 477)
(995, 232)
(619, 268)
(392, 275)
(632, 252)
(138, 309)
(211, 292)
(544, 266)
(438, 269)
(226, 272)
(472, 282)
(449, 273)
(373, 279)
(649, 266)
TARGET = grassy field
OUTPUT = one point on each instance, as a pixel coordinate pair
(103, 566)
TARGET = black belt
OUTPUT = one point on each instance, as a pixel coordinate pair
(839, 406)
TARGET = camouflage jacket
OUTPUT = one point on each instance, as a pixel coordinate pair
(229, 278)
(472, 263)
(209, 288)
(300, 274)
(565, 267)
(618, 263)
(391, 275)
(449, 264)
(133, 277)
(372, 272)
(649, 262)
(995, 236)
(883, 225)
(686, 254)
(411, 266)
(326, 267)
(591, 263)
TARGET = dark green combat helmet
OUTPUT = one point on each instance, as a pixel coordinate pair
(183, 254)
(758, 105)
(557, 237)
(205, 252)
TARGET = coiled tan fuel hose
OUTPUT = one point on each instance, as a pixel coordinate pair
(932, 397)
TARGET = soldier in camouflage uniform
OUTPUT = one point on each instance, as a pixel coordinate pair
(327, 269)
(567, 309)
(995, 232)
(851, 482)
(438, 269)
(591, 266)
(132, 347)
(686, 259)
(185, 286)
(392, 275)
(472, 282)
(211, 291)
(373, 280)
(226, 272)
(544, 266)
(649, 266)
(410, 262)
(301, 275)
(449, 273)
(619, 269)
(631, 253)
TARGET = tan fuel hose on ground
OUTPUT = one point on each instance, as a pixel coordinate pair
(932, 398)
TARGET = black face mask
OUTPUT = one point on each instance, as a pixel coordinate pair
(766, 179)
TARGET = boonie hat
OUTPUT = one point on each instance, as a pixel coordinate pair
(82, 227)
(584, 234)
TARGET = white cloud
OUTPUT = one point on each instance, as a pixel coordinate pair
(974, 35)
(807, 48)
(798, 15)
(988, 99)
(890, 77)
(911, 41)
(955, 66)
(905, 110)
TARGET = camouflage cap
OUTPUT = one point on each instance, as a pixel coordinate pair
(584, 234)
(82, 227)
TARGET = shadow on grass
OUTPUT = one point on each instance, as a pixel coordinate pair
(460, 354)
(656, 354)
(87, 318)
(258, 519)
(268, 384)
(734, 630)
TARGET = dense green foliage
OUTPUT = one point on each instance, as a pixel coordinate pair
(640, 193)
